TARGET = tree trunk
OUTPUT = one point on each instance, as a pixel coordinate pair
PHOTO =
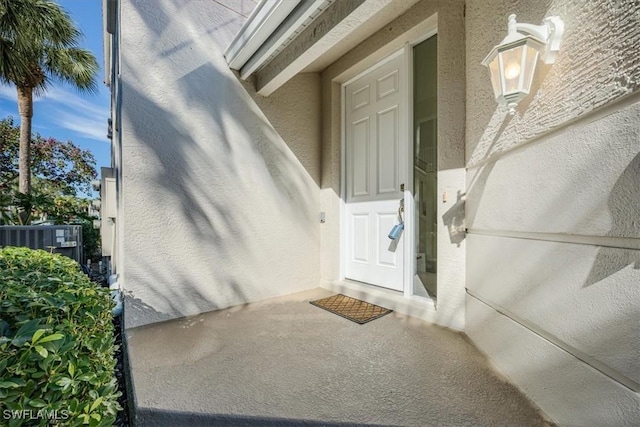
(25, 108)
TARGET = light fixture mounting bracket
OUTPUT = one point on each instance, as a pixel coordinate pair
(550, 33)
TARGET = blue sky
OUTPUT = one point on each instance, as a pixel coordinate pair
(63, 113)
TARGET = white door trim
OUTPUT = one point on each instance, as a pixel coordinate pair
(409, 202)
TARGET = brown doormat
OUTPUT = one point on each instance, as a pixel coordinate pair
(350, 308)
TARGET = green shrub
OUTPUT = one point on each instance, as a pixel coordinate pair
(56, 343)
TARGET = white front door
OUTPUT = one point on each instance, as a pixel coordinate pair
(376, 168)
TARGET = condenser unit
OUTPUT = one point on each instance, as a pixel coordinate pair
(59, 239)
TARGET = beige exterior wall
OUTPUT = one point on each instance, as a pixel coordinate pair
(410, 27)
(220, 188)
(553, 209)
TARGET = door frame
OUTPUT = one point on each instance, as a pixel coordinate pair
(408, 40)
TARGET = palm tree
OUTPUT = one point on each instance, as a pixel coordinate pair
(38, 45)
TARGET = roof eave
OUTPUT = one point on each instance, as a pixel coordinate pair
(263, 21)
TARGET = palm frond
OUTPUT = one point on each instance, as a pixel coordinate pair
(75, 66)
(39, 43)
(30, 22)
(10, 65)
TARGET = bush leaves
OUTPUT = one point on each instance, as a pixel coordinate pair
(56, 341)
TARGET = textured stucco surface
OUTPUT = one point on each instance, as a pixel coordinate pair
(295, 103)
(571, 393)
(296, 364)
(597, 63)
(553, 214)
(220, 204)
(591, 306)
(584, 180)
(451, 111)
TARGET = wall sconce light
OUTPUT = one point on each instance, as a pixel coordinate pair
(513, 62)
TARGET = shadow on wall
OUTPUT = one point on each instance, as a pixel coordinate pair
(248, 124)
(288, 106)
(555, 369)
(179, 294)
(218, 179)
(491, 136)
(475, 188)
(624, 206)
(158, 22)
(454, 220)
(613, 353)
(135, 308)
(211, 220)
(475, 191)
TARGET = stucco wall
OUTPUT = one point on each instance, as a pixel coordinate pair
(553, 211)
(409, 27)
(219, 187)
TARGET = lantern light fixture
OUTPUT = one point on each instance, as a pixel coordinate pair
(512, 63)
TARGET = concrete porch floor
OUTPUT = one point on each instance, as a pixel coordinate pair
(286, 362)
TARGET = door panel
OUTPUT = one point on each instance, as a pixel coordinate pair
(371, 256)
(374, 115)
(388, 84)
(388, 151)
(385, 257)
(360, 157)
(360, 98)
(360, 230)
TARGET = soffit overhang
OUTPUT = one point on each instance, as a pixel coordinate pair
(312, 35)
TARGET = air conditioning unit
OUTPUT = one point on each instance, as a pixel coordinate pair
(59, 239)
